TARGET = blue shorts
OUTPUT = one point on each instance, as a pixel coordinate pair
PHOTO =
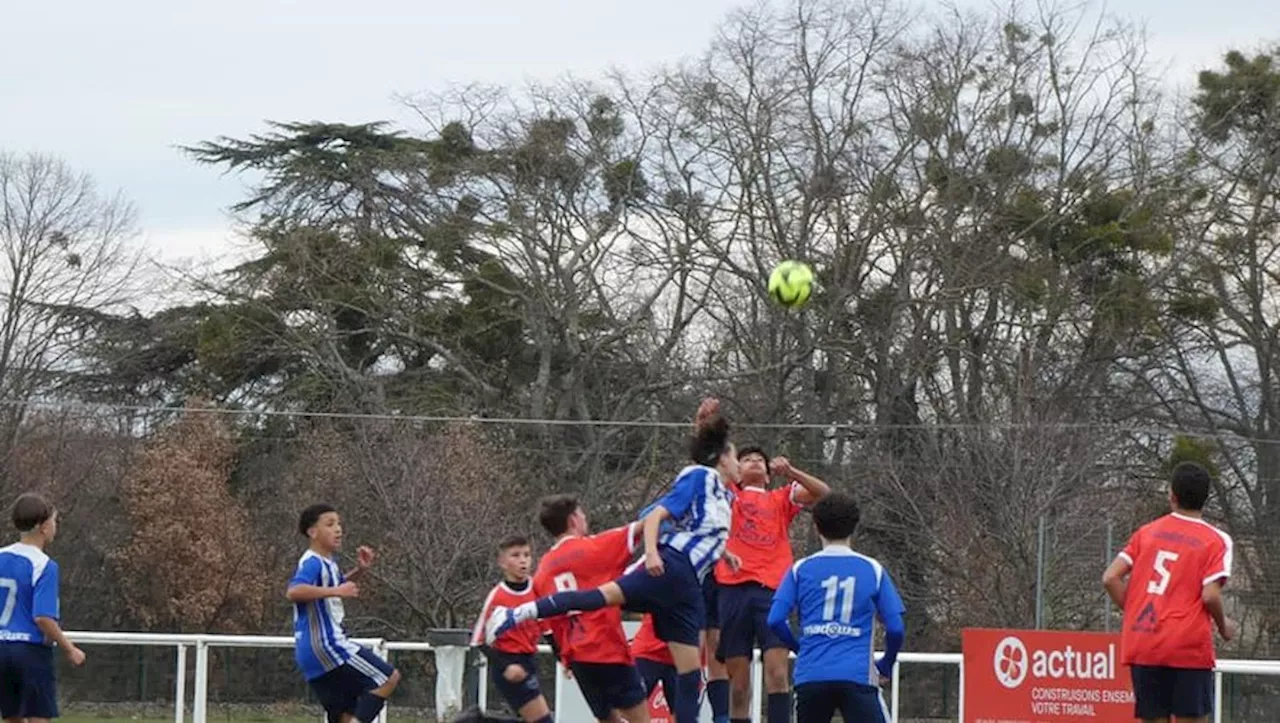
(674, 599)
(819, 702)
(744, 621)
(522, 692)
(608, 687)
(28, 687)
(652, 672)
(340, 689)
(711, 601)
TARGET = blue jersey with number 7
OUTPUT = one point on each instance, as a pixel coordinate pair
(839, 594)
(28, 590)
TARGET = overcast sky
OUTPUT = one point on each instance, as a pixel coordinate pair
(113, 87)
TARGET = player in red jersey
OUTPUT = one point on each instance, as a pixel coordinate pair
(1176, 567)
(760, 537)
(591, 644)
(512, 662)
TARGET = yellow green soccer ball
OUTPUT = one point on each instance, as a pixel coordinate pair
(791, 283)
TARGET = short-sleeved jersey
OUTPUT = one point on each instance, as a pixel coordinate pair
(839, 594)
(522, 639)
(701, 509)
(320, 642)
(760, 535)
(28, 590)
(646, 644)
(1165, 621)
(584, 563)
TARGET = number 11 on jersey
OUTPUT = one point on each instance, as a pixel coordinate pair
(842, 589)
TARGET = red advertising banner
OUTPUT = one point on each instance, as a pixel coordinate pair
(659, 711)
(1044, 676)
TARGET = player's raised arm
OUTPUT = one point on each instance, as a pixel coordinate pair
(652, 525)
(811, 489)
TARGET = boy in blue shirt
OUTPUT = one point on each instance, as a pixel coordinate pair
(351, 681)
(29, 614)
(839, 594)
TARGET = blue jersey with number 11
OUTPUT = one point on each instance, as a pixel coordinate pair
(839, 593)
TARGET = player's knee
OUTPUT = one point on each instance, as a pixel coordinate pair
(740, 685)
(514, 674)
(392, 681)
(775, 678)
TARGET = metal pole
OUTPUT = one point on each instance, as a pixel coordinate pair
(1040, 574)
(199, 707)
(180, 686)
(757, 685)
(893, 692)
(1217, 696)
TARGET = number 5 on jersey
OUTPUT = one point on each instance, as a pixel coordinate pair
(1161, 565)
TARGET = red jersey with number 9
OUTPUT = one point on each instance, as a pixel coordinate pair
(1165, 621)
(584, 563)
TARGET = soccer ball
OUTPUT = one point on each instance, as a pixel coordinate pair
(791, 283)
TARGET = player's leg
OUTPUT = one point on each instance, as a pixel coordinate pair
(38, 690)
(678, 618)
(381, 679)
(717, 675)
(10, 684)
(737, 647)
(618, 687)
(860, 703)
(1153, 690)
(1192, 699)
(652, 672)
(516, 678)
(502, 619)
(777, 657)
(591, 683)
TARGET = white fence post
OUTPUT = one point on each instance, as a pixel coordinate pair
(199, 707)
(894, 696)
(180, 686)
(757, 685)
(1217, 696)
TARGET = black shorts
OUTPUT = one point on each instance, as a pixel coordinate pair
(28, 686)
(819, 702)
(711, 601)
(608, 687)
(520, 693)
(744, 621)
(652, 672)
(674, 599)
(1177, 692)
(340, 689)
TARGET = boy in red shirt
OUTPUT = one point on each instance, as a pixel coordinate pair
(760, 536)
(591, 644)
(512, 657)
(1176, 567)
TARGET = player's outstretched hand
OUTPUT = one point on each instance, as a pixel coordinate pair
(348, 589)
(75, 656)
(365, 557)
(653, 564)
(708, 409)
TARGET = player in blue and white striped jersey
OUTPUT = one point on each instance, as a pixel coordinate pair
(839, 594)
(351, 681)
(678, 556)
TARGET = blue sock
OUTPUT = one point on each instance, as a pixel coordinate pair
(368, 707)
(718, 696)
(779, 708)
(567, 602)
(686, 704)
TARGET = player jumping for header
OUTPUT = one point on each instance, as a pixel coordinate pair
(760, 537)
(351, 681)
(839, 594)
(669, 585)
(1176, 567)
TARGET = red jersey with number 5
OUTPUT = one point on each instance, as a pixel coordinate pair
(584, 563)
(1165, 621)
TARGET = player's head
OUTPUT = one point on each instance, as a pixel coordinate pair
(561, 514)
(33, 515)
(321, 525)
(836, 517)
(515, 557)
(1189, 487)
(753, 467)
(710, 446)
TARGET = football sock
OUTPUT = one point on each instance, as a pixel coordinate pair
(779, 708)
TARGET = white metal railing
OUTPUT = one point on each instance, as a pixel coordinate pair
(202, 644)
